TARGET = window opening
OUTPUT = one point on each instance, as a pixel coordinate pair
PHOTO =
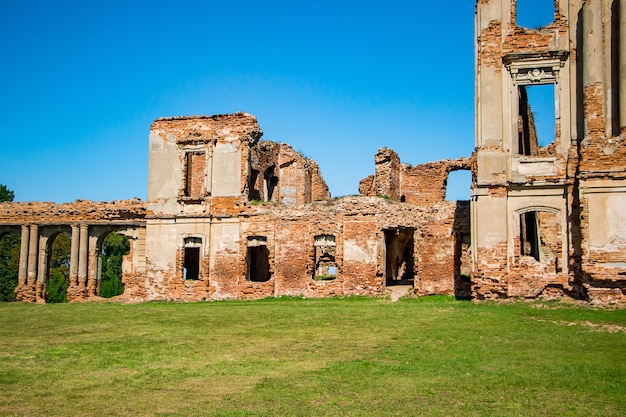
(534, 14)
(537, 120)
(458, 185)
(325, 263)
(271, 181)
(541, 238)
(400, 265)
(195, 175)
(529, 243)
(191, 262)
(252, 186)
(258, 266)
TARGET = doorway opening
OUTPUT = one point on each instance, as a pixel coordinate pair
(258, 264)
(399, 260)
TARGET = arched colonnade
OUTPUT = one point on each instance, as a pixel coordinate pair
(85, 253)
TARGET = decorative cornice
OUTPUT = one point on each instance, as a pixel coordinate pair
(535, 67)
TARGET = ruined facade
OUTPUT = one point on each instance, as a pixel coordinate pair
(229, 216)
(549, 218)
(262, 223)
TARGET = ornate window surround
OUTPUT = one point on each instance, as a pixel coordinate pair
(535, 67)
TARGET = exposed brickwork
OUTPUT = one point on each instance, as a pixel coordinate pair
(196, 174)
(199, 129)
(421, 184)
(574, 185)
(293, 178)
(255, 219)
(71, 213)
(490, 40)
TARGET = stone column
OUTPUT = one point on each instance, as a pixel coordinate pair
(74, 255)
(42, 269)
(23, 269)
(82, 255)
(33, 246)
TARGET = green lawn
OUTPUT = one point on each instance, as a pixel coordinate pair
(296, 357)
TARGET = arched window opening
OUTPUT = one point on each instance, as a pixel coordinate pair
(114, 247)
(325, 263)
(540, 238)
(58, 276)
(458, 185)
(537, 120)
(9, 265)
(534, 14)
(529, 235)
(258, 265)
(191, 262)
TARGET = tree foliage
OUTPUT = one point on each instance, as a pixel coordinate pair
(59, 273)
(114, 247)
(6, 194)
(9, 265)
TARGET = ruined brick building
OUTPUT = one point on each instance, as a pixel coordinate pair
(231, 216)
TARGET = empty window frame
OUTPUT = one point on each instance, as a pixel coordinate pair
(257, 259)
(534, 14)
(541, 237)
(191, 258)
(195, 174)
(325, 252)
(536, 120)
(529, 237)
(458, 185)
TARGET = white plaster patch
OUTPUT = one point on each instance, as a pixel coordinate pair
(226, 237)
(535, 167)
(353, 251)
(607, 220)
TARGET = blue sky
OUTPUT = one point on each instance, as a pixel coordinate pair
(82, 82)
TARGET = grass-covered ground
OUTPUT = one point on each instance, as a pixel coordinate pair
(295, 357)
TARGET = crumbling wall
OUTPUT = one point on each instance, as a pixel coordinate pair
(355, 225)
(282, 175)
(44, 213)
(420, 184)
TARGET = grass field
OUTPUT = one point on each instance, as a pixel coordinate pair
(297, 357)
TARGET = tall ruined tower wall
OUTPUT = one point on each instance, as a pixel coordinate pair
(527, 194)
